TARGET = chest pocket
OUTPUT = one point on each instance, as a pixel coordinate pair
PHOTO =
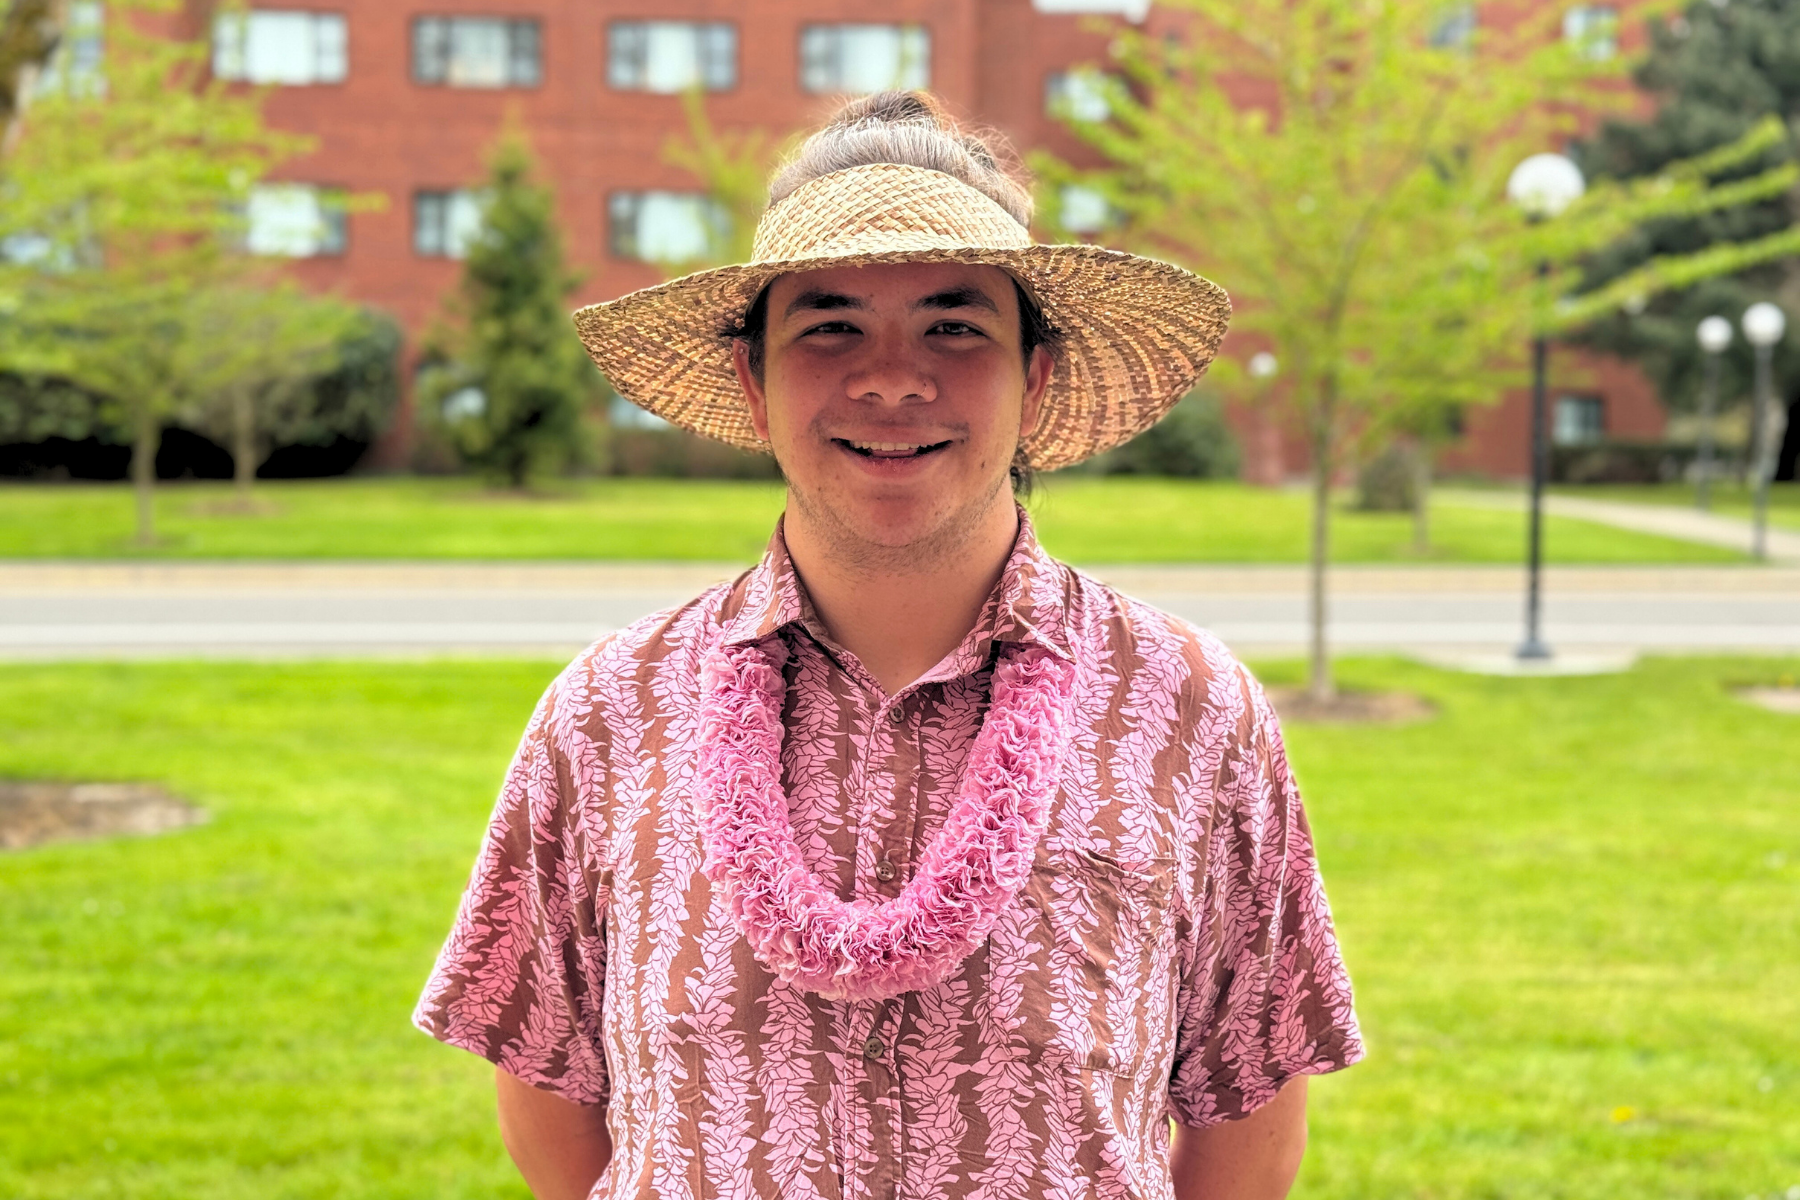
(1104, 932)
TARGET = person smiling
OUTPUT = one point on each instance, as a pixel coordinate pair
(912, 863)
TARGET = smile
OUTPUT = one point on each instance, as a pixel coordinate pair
(890, 449)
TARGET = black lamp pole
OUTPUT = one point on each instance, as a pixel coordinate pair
(1534, 647)
(1709, 405)
(1759, 450)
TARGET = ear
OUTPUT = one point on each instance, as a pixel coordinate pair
(754, 396)
(1037, 384)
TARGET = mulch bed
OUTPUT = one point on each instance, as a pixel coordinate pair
(1351, 708)
(33, 812)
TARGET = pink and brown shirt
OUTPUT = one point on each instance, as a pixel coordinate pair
(1170, 955)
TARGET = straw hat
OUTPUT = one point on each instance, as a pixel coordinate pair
(1136, 333)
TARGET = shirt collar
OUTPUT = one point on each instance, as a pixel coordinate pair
(1029, 603)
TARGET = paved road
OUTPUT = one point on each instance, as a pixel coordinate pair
(335, 609)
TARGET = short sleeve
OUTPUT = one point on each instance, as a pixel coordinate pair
(1264, 995)
(521, 977)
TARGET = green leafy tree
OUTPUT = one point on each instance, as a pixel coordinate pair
(28, 36)
(1339, 165)
(510, 393)
(1716, 70)
(123, 202)
(252, 357)
(733, 168)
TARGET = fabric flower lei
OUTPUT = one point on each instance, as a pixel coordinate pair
(860, 950)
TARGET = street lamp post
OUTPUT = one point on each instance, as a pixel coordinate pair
(1763, 326)
(1715, 335)
(1543, 186)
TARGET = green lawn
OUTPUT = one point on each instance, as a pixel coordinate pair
(1571, 908)
(1728, 500)
(1083, 519)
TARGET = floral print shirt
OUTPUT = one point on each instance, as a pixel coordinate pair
(1171, 954)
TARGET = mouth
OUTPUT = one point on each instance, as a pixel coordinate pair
(890, 450)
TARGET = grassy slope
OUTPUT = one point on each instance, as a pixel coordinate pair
(1569, 906)
(1082, 519)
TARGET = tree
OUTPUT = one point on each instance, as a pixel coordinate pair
(1339, 165)
(1716, 70)
(510, 395)
(127, 199)
(733, 169)
(252, 357)
(28, 36)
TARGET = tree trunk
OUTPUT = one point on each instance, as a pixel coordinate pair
(1421, 464)
(1320, 683)
(146, 438)
(243, 444)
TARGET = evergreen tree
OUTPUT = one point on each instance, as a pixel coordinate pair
(510, 398)
(1717, 69)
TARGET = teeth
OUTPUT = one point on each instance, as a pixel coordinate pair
(889, 447)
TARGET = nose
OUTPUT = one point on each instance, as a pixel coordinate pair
(891, 373)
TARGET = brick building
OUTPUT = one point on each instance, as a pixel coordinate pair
(406, 96)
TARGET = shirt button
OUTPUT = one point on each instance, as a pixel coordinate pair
(884, 871)
(897, 715)
(874, 1048)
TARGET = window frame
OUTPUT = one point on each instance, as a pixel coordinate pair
(809, 57)
(635, 32)
(332, 205)
(230, 58)
(431, 51)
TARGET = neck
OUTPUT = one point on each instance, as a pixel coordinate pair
(901, 611)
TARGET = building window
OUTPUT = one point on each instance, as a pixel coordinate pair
(864, 58)
(1077, 95)
(446, 223)
(1593, 29)
(477, 52)
(1084, 210)
(671, 56)
(666, 227)
(1455, 27)
(295, 220)
(74, 66)
(271, 46)
(1580, 420)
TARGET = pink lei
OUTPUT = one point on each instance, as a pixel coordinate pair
(976, 865)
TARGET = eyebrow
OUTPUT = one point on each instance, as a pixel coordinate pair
(819, 299)
(962, 297)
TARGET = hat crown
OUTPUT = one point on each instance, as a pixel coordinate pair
(882, 208)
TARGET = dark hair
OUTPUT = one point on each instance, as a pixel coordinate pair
(912, 129)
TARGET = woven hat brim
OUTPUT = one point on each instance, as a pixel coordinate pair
(1137, 334)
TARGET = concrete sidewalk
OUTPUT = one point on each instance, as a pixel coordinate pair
(332, 609)
(1667, 520)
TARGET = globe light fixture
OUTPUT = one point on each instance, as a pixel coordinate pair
(1763, 326)
(1544, 185)
(1263, 365)
(1714, 335)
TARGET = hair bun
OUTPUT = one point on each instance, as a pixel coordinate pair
(912, 129)
(892, 107)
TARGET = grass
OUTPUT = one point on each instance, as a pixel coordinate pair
(1083, 519)
(1728, 499)
(1569, 906)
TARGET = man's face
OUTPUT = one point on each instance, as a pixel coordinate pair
(894, 396)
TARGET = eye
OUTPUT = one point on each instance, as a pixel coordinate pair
(829, 327)
(957, 329)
